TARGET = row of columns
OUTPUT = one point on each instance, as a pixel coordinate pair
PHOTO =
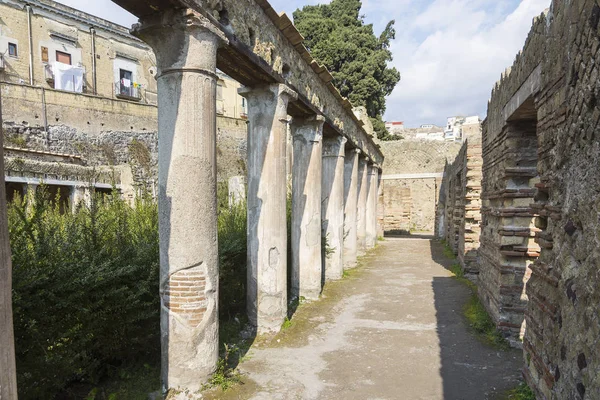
(334, 196)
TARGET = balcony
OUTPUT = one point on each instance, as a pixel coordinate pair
(133, 91)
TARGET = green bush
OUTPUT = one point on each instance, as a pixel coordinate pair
(85, 288)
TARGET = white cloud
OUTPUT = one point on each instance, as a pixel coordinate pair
(453, 68)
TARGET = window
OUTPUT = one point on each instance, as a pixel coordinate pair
(64, 58)
(124, 74)
(12, 50)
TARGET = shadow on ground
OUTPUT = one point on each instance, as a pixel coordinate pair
(469, 368)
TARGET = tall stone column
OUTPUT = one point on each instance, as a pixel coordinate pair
(350, 207)
(371, 210)
(185, 44)
(332, 206)
(381, 206)
(267, 195)
(307, 271)
(361, 207)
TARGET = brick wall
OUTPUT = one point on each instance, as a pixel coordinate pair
(541, 148)
(458, 210)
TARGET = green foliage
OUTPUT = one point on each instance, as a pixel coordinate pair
(337, 36)
(225, 376)
(521, 392)
(457, 270)
(482, 323)
(448, 252)
(232, 260)
(85, 289)
(86, 302)
(326, 248)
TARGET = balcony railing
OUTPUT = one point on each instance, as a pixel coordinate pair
(130, 92)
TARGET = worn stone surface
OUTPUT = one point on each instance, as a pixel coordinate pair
(350, 207)
(541, 150)
(332, 206)
(371, 211)
(394, 330)
(187, 195)
(267, 196)
(307, 265)
(361, 206)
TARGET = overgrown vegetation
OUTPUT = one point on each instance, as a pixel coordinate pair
(86, 304)
(85, 290)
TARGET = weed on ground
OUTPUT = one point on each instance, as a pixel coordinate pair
(477, 316)
(521, 392)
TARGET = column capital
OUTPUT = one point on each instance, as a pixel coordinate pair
(334, 146)
(275, 89)
(182, 39)
(310, 128)
(263, 97)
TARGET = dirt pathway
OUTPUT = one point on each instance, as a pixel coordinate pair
(393, 330)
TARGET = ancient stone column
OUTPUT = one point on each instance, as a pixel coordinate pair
(380, 207)
(350, 206)
(267, 195)
(237, 190)
(307, 271)
(371, 209)
(361, 207)
(332, 206)
(185, 44)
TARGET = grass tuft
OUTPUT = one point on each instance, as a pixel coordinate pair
(482, 324)
(521, 392)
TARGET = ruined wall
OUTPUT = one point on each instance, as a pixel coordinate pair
(413, 171)
(541, 149)
(103, 132)
(459, 205)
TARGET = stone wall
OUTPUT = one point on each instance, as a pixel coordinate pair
(413, 171)
(102, 132)
(459, 207)
(541, 148)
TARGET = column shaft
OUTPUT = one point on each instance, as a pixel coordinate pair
(332, 206)
(361, 208)
(380, 207)
(350, 207)
(307, 271)
(185, 44)
(267, 195)
(371, 211)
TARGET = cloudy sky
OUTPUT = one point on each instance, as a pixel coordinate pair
(449, 52)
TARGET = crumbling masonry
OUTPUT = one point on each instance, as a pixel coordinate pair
(540, 233)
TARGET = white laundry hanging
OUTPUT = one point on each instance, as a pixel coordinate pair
(68, 77)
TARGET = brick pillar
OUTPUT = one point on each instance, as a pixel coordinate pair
(185, 44)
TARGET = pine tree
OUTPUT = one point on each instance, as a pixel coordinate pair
(337, 36)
